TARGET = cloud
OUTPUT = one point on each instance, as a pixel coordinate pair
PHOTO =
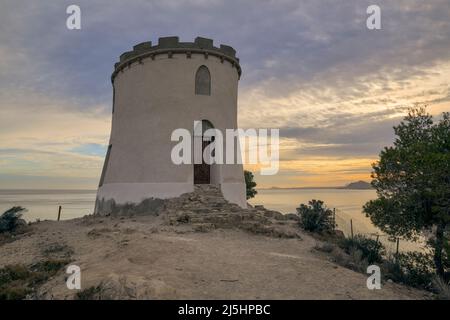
(50, 138)
(23, 181)
(92, 149)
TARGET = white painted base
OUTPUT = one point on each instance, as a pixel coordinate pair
(123, 193)
(136, 192)
(235, 193)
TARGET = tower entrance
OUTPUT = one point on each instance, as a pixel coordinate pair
(202, 171)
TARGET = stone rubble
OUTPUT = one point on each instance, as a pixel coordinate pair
(206, 209)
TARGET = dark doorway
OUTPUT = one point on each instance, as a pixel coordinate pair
(202, 172)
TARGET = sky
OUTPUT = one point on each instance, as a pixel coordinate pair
(311, 68)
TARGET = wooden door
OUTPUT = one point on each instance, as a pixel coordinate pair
(202, 172)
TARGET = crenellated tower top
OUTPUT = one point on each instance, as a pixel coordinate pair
(172, 45)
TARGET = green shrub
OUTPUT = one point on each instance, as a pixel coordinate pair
(442, 288)
(413, 268)
(250, 184)
(315, 216)
(91, 293)
(10, 220)
(371, 250)
(12, 273)
(14, 292)
(51, 266)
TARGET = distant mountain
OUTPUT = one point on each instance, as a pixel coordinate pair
(358, 185)
(361, 185)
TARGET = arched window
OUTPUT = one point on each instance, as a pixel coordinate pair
(203, 81)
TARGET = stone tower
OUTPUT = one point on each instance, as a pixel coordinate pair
(157, 89)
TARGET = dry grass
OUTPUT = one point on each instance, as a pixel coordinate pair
(19, 281)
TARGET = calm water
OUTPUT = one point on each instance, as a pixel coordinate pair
(43, 204)
(286, 200)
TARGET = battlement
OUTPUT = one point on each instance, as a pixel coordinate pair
(172, 45)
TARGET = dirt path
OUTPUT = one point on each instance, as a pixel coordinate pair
(143, 258)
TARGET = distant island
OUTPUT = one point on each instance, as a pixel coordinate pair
(358, 185)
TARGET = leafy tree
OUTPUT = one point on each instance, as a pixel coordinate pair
(412, 268)
(412, 180)
(250, 184)
(315, 216)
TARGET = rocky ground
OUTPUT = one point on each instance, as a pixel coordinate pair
(197, 246)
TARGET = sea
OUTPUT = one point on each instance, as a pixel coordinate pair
(44, 204)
